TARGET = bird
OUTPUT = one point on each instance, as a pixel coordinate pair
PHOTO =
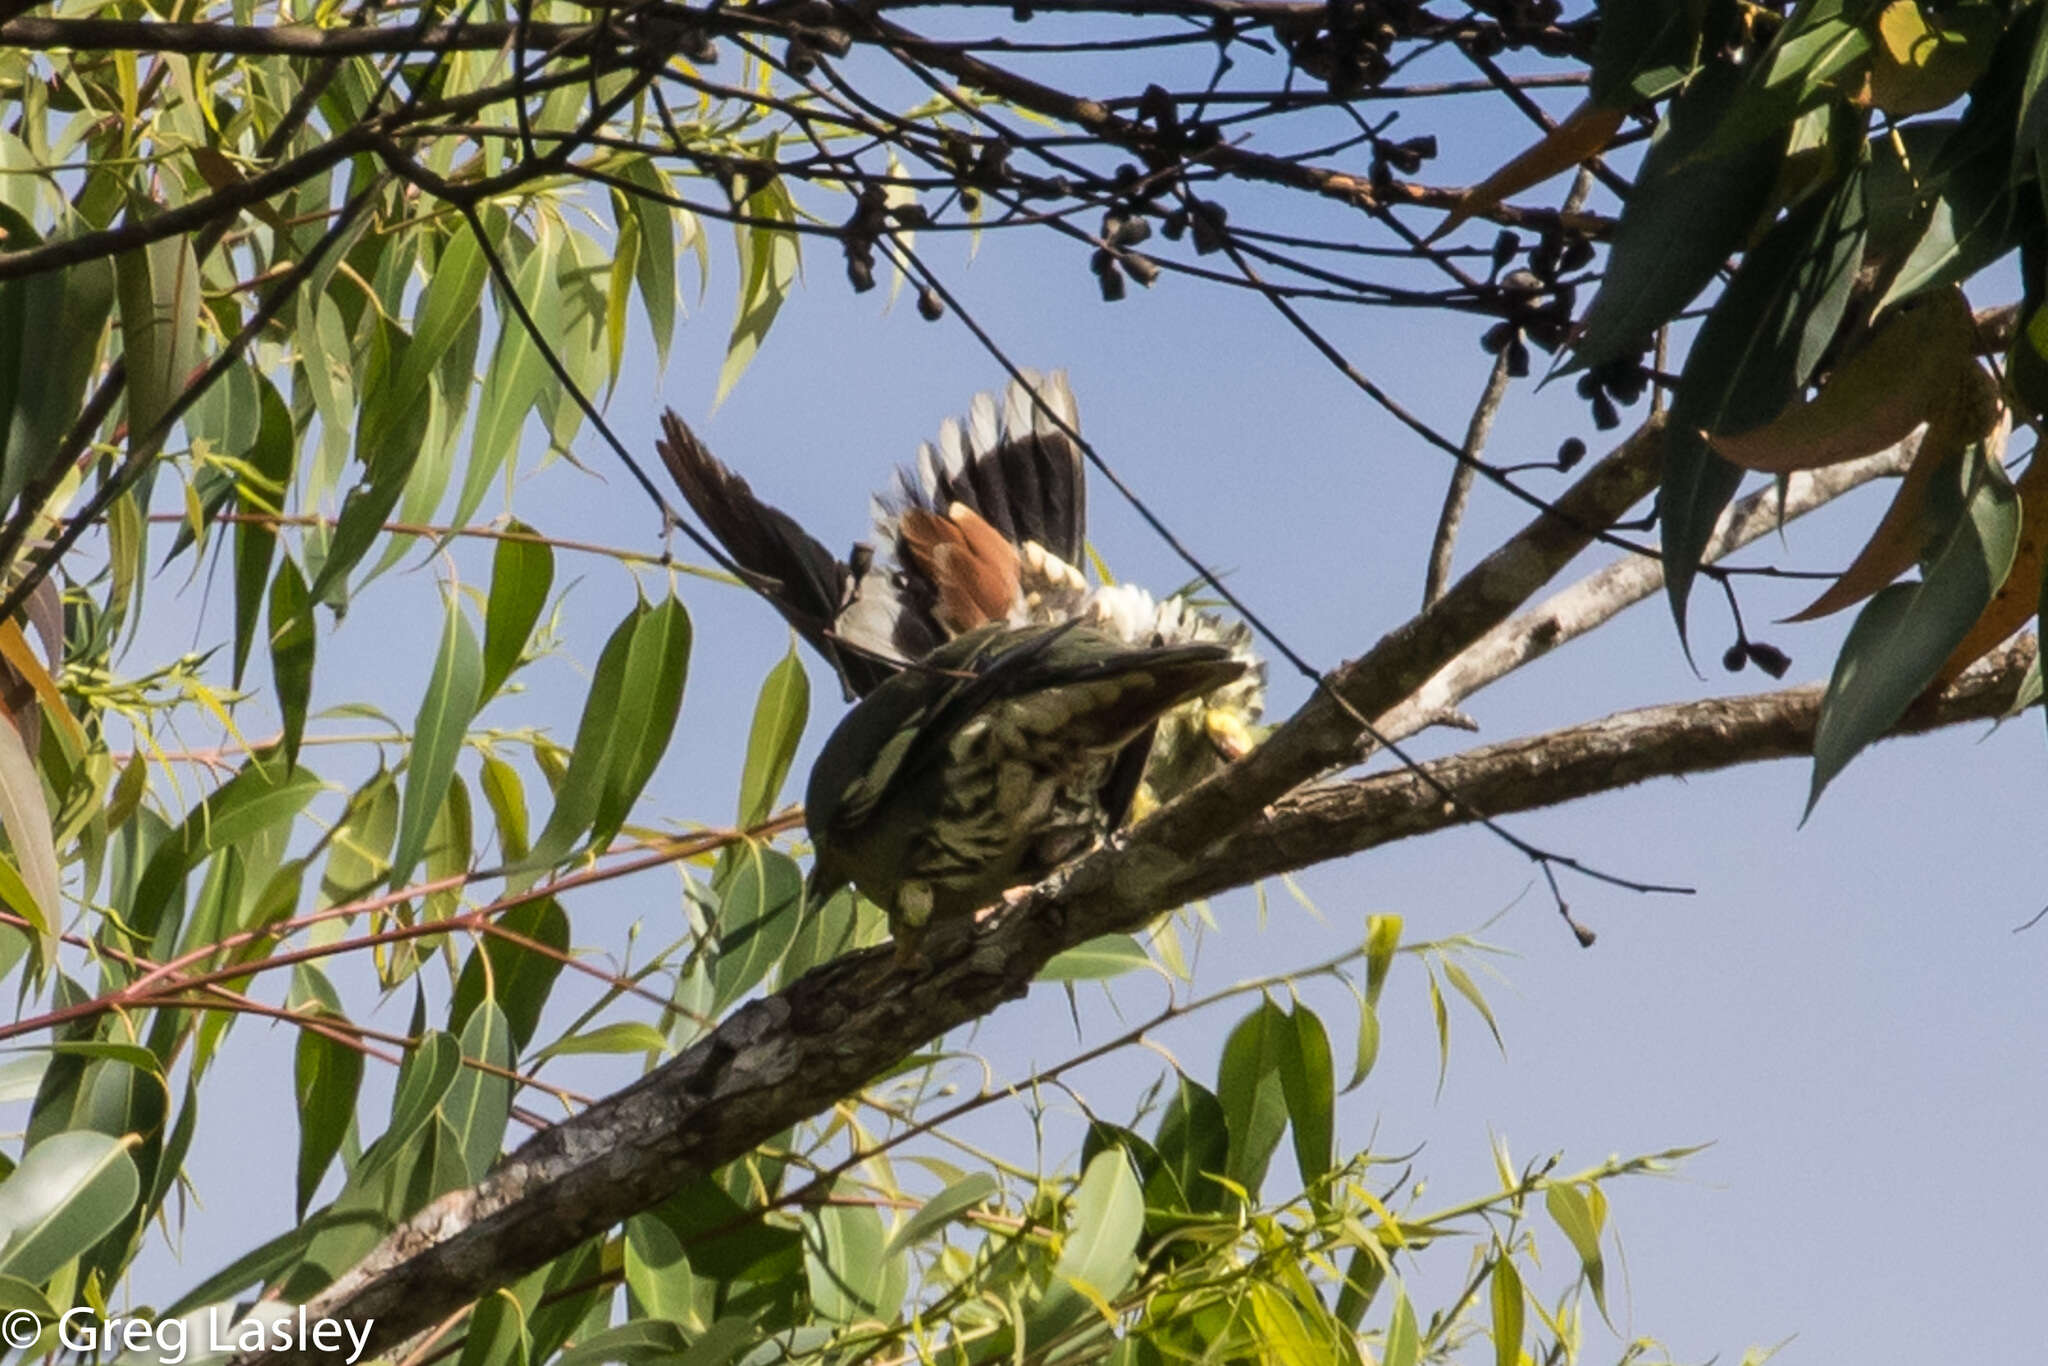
(988, 527)
(984, 766)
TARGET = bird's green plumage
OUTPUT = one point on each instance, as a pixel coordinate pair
(989, 763)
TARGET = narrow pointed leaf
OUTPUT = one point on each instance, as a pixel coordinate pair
(292, 642)
(1308, 1082)
(1248, 1084)
(578, 793)
(260, 494)
(25, 818)
(656, 666)
(1905, 633)
(1686, 215)
(159, 293)
(779, 715)
(479, 1102)
(327, 1075)
(522, 572)
(453, 694)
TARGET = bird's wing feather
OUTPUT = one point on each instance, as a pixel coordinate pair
(1013, 464)
(807, 583)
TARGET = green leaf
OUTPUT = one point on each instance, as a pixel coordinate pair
(390, 437)
(25, 817)
(479, 1103)
(1248, 1084)
(1685, 216)
(578, 793)
(522, 572)
(779, 716)
(769, 259)
(942, 1209)
(852, 1275)
(1575, 1215)
(446, 307)
(1972, 214)
(656, 668)
(760, 897)
(1644, 49)
(641, 1342)
(19, 1294)
(845, 922)
(20, 1078)
(1368, 1050)
(1819, 54)
(1100, 1252)
(360, 854)
(50, 329)
(1903, 635)
(657, 1271)
(1462, 982)
(517, 975)
(496, 1333)
(1097, 959)
(292, 642)
(1382, 937)
(259, 493)
(518, 372)
(506, 796)
(453, 694)
(1753, 355)
(1193, 1143)
(424, 1079)
(654, 269)
(70, 1190)
(1505, 1295)
(620, 1036)
(327, 1076)
(1308, 1082)
(260, 798)
(726, 1241)
(1404, 1338)
(158, 287)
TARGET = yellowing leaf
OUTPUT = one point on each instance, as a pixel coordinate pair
(14, 649)
(1968, 411)
(1915, 67)
(1581, 136)
(1874, 399)
(26, 818)
(2014, 604)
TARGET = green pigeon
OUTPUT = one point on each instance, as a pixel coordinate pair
(989, 763)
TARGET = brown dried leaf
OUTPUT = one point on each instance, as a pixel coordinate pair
(1874, 398)
(1582, 135)
(1967, 409)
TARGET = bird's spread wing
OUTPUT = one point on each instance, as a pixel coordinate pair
(972, 569)
(1014, 466)
(807, 583)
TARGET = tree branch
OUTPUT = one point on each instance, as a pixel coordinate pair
(777, 1061)
(1334, 819)
(1593, 600)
